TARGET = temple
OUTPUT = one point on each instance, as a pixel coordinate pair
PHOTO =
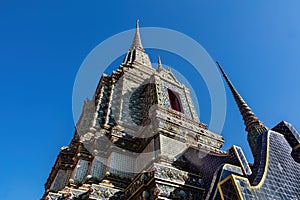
(139, 138)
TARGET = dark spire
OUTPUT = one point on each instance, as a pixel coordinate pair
(254, 126)
(137, 42)
(160, 67)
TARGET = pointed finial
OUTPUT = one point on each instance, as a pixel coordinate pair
(137, 42)
(158, 60)
(160, 67)
(254, 126)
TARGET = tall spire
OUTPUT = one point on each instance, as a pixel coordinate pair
(160, 67)
(136, 54)
(137, 42)
(254, 126)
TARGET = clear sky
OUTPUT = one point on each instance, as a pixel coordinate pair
(43, 44)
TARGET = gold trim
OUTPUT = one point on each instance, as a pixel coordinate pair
(218, 179)
(234, 177)
(266, 166)
(238, 157)
(230, 177)
(219, 186)
(296, 147)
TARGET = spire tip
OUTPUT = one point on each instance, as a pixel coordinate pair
(137, 43)
(160, 67)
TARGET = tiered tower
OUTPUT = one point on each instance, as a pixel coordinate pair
(139, 138)
(139, 119)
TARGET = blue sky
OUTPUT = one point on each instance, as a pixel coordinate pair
(43, 44)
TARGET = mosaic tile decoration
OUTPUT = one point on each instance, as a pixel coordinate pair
(188, 164)
(61, 180)
(145, 157)
(121, 164)
(243, 160)
(281, 180)
(206, 164)
(128, 90)
(170, 147)
(104, 193)
(182, 97)
(292, 136)
(81, 170)
(99, 168)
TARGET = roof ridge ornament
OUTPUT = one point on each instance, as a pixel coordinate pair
(254, 126)
(160, 66)
(137, 42)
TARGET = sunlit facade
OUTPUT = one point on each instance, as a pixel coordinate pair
(139, 137)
